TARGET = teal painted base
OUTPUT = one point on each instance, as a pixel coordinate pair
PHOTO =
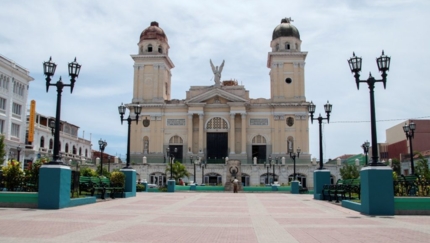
(54, 186)
(130, 181)
(321, 178)
(275, 188)
(377, 193)
(295, 189)
(351, 205)
(193, 187)
(81, 201)
(171, 185)
(146, 186)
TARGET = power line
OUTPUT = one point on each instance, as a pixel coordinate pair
(387, 120)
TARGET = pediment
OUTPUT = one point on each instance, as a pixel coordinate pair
(216, 96)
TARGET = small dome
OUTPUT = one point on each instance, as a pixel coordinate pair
(153, 32)
(285, 29)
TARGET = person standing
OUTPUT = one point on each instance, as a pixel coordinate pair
(235, 185)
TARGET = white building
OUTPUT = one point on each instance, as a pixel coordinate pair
(14, 84)
(72, 147)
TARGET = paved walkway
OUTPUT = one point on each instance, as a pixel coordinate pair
(209, 217)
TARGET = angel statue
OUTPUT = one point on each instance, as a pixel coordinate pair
(217, 72)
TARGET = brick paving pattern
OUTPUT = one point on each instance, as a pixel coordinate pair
(209, 217)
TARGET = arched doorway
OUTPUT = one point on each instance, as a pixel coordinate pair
(213, 179)
(176, 142)
(216, 140)
(300, 177)
(268, 178)
(157, 178)
(259, 149)
(245, 179)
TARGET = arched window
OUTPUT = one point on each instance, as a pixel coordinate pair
(149, 48)
(287, 46)
(51, 143)
(277, 47)
(74, 150)
(86, 153)
(175, 140)
(160, 50)
(217, 123)
(42, 142)
(66, 149)
(259, 140)
(297, 46)
(80, 151)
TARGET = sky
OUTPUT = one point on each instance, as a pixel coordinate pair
(103, 34)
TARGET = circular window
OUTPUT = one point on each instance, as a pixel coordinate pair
(290, 121)
(288, 80)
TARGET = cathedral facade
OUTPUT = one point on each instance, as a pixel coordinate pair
(218, 124)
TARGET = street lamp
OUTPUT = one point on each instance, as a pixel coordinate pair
(383, 63)
(18, 149)
(121, 109)
(194, 161)
(109, 163)
(203, 165)
(293, 156)
(49, 70)
(365, 147)
(171, 156)
(409, 131)
(327, 108)
(268, 165)
(102, 146)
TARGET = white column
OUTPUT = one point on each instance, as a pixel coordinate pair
(201, 132)
(243, 133)
(190, 132)
(231, 134)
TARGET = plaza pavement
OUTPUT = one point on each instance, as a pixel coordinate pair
(209, 217)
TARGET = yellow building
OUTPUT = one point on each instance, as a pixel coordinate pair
(220, 122)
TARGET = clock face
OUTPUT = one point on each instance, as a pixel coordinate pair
(290, 121)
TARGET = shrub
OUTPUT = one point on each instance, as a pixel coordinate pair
(140, 188)
(12, 174)
(117, 178)
(86, 171)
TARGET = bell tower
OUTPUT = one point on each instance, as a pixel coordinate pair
(152, 65)
(287, 64)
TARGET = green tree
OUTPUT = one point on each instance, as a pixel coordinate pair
(349, 172)
(396, 166)
(2, 150)
(179, 171)
(87, 171)
(12, 174)
(422, 167)
(105, 171)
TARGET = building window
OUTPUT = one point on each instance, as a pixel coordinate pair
(80, 151)
(277, 47)
(287, 46)
(2, 126)
(67, 148)
(42, 142)
(2, 103)
(16, 109)
(149, 48)
(86, 153)
(288, 80)
(15, 130)
(51, 143)
(290, 121)
(160, 50)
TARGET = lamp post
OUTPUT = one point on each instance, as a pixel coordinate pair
(193, 161)
(327, 109)
(383, 63)
(365, 147)
(102, 146)
(273, 166)
(109, 163)
(267, 164)
(121, 109)
(293, 156)
(203, 165)
(409, 131)
(49, 70)
(18, 150)
(171, 157)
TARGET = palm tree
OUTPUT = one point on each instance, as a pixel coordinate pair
(178, 170)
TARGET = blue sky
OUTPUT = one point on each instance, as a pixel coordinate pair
(103, 35)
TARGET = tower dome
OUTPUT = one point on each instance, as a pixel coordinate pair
(285, 29)
(153, 32)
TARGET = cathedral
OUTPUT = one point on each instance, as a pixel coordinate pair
(219, 125)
